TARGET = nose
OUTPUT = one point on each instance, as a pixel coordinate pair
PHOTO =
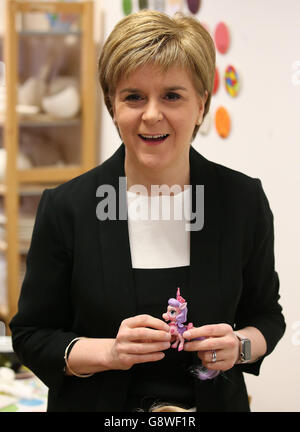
(152, 112)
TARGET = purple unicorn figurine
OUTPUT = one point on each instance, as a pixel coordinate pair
(176, 316)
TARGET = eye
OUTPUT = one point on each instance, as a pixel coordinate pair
(173, 312)
(134, 97)
(171, 96)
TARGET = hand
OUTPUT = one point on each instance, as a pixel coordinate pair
(219, 338)
(140, 339)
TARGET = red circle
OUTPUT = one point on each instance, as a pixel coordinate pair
(222, 38)
(217, 81)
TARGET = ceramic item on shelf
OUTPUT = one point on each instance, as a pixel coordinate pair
(34, 88)
(27, 109)
(59, 83)
(31, 92)
(23, 162)
(65, 104)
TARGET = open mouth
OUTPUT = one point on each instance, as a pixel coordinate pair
(154, 138)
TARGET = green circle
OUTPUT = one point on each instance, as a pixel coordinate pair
(127, 7)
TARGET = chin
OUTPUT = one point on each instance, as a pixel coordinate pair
(154, 162)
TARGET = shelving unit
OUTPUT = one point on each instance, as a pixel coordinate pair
(33, 181)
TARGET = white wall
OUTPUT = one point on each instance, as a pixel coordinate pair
(264, 143)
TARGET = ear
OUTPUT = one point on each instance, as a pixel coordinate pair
(182, 305)
(203, 100)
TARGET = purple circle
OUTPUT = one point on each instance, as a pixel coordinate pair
(194, 5)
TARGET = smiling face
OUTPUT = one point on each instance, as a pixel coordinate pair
(156, 113)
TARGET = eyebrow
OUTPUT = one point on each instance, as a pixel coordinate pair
(134, 90)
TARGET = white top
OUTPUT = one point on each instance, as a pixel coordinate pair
(157, 229)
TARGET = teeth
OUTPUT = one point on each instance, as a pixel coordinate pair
(154, 136)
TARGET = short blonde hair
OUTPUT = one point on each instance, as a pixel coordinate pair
(154, 37)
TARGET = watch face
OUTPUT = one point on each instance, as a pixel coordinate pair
(245, 350)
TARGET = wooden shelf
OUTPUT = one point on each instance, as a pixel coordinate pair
(49, 174)
(23, 247)
(35, 180)
(42, 120)
(50, 33)
(49, 7)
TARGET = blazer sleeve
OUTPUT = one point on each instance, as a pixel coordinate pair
(41, 327)
(259, 304)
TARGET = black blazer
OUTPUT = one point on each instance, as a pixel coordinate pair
(79, 282)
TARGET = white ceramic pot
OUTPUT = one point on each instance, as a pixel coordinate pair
(65, 104)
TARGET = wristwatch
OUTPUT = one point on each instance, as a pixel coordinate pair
(245, 348)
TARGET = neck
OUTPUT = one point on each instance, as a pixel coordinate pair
(174, 175)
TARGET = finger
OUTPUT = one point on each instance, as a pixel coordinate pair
(146, 321)
(207, 356)
(144, 348)
(205, 345)
(153, 357)
(207, 331)
(146, 334)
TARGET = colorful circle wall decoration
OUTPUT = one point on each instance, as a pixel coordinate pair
(222, 38)
(232, 82)
(143, 4)
(217, 81)
(222, 122)
(194, 5)
(127, 6)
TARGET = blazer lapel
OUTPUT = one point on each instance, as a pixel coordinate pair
(205, 288)
(118, 288)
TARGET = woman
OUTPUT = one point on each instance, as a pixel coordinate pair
(90, 321)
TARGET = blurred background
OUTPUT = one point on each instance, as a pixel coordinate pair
(53, 126)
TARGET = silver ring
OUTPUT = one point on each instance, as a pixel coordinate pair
(213, 356)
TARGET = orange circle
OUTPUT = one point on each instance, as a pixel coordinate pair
(222, 121)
